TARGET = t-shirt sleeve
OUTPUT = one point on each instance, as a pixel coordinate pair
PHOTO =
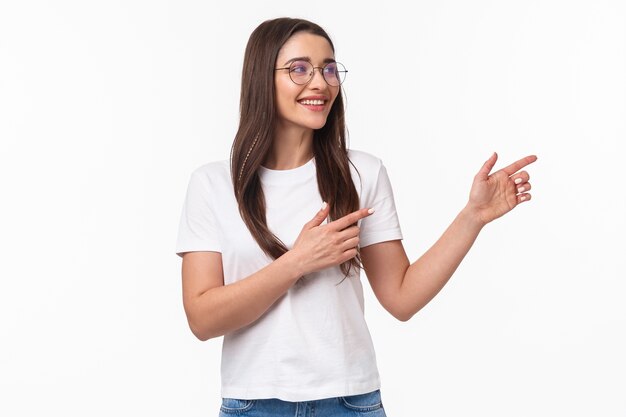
(383, 224)
(198, 224)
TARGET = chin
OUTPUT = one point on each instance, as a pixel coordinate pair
(313, 123)
(316, 124)
(317, 127)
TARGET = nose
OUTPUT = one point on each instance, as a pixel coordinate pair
(317, 79)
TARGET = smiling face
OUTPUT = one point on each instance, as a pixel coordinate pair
(304, 106)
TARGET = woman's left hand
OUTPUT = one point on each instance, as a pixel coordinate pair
(494, 195)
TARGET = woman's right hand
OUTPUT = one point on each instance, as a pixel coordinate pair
(320, 246)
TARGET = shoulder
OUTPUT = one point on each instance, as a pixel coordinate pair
(366, 170)
(364, 160)
(364, 166)
(212, 171)
(211, 176)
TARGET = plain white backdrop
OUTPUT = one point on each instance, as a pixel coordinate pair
(107, 107)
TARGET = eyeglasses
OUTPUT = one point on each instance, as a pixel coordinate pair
(301, 72)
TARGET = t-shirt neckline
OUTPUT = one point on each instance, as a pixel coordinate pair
(287, 176)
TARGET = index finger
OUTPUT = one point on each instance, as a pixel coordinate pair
(517, 165)
(350, 219)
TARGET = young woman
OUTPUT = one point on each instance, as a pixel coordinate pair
(273, 239)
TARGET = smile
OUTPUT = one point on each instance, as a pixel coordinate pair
(312, 102)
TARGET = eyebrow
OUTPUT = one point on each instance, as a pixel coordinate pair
(308, 59)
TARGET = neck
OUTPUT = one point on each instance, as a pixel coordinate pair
(290, 149)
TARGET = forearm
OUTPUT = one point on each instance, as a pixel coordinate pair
(427, 275)
(226, 308)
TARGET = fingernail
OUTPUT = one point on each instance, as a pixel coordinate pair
(520, 189)
(324, 204)
(522, 198)
(518, 181)
(370, 211)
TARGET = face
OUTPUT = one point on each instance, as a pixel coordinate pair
(304, 106)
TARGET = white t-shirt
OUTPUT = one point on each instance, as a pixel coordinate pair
(313, 342)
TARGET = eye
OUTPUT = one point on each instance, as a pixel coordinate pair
(330, 69)
(300, 67)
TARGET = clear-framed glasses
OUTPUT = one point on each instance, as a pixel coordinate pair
(301, 72)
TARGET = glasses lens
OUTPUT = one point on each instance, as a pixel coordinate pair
(334, 73)
(300, 71)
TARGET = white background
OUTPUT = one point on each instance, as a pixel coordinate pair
(107, 107)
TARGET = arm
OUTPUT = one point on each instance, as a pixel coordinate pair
(214, 309)
(403, 288)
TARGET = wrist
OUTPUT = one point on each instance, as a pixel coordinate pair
(294, 264)
(471, 216)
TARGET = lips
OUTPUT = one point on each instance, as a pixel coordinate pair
(314, 103)
(316, 100)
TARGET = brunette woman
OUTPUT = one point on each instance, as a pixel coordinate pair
(273, 238)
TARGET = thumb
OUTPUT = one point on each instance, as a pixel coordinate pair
(483, 174)
(319, 217)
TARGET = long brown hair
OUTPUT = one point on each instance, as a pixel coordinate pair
(255, 134)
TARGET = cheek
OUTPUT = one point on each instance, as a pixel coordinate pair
(286, 90)
(285, 96)
(334, 95)
(283, 106)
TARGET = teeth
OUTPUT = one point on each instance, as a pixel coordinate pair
(313, 102)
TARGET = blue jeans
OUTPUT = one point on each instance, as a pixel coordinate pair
(365, 405)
